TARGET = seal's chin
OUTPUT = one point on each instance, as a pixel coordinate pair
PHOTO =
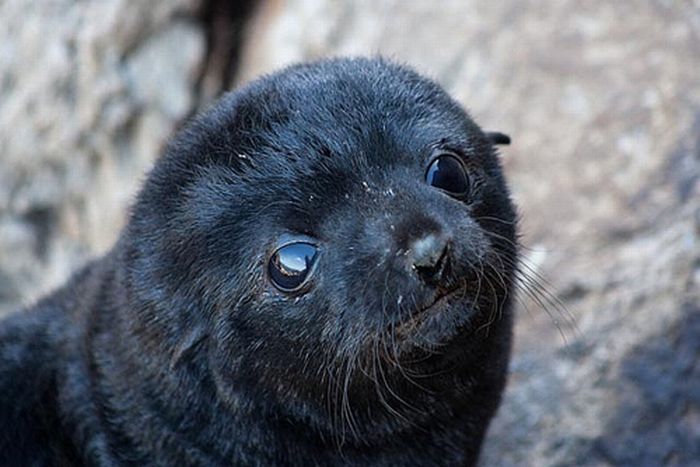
(439, 321)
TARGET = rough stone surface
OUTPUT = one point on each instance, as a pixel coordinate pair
(88, 94)
(602, 100)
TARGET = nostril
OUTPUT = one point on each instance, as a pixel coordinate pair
(427, 252)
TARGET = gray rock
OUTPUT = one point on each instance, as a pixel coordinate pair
(88, 95)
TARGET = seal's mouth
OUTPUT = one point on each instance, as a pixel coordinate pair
(443, 299)
(442, 294)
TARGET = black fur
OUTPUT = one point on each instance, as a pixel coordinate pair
(498, 138)
(175, 349)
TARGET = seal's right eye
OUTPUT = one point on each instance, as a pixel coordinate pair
(447, 173)
(290, 265)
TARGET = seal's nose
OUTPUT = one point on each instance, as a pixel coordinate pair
(427, 254)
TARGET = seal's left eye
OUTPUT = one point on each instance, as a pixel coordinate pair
(290, 265)
(447, 173)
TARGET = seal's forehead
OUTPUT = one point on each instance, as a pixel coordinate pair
(356, 109)
(344, 115)
(345, 91)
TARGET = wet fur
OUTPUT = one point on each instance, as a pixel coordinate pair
(174, 349)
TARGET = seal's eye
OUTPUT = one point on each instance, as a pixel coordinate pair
(447, 173)
(290, 265)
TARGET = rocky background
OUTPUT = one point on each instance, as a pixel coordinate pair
(602, 100)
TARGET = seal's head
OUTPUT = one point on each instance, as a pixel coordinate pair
(334, 235)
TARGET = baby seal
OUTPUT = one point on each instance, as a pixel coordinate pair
(318, 271)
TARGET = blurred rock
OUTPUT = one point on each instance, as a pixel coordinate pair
(602, 100)
(88, 94)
